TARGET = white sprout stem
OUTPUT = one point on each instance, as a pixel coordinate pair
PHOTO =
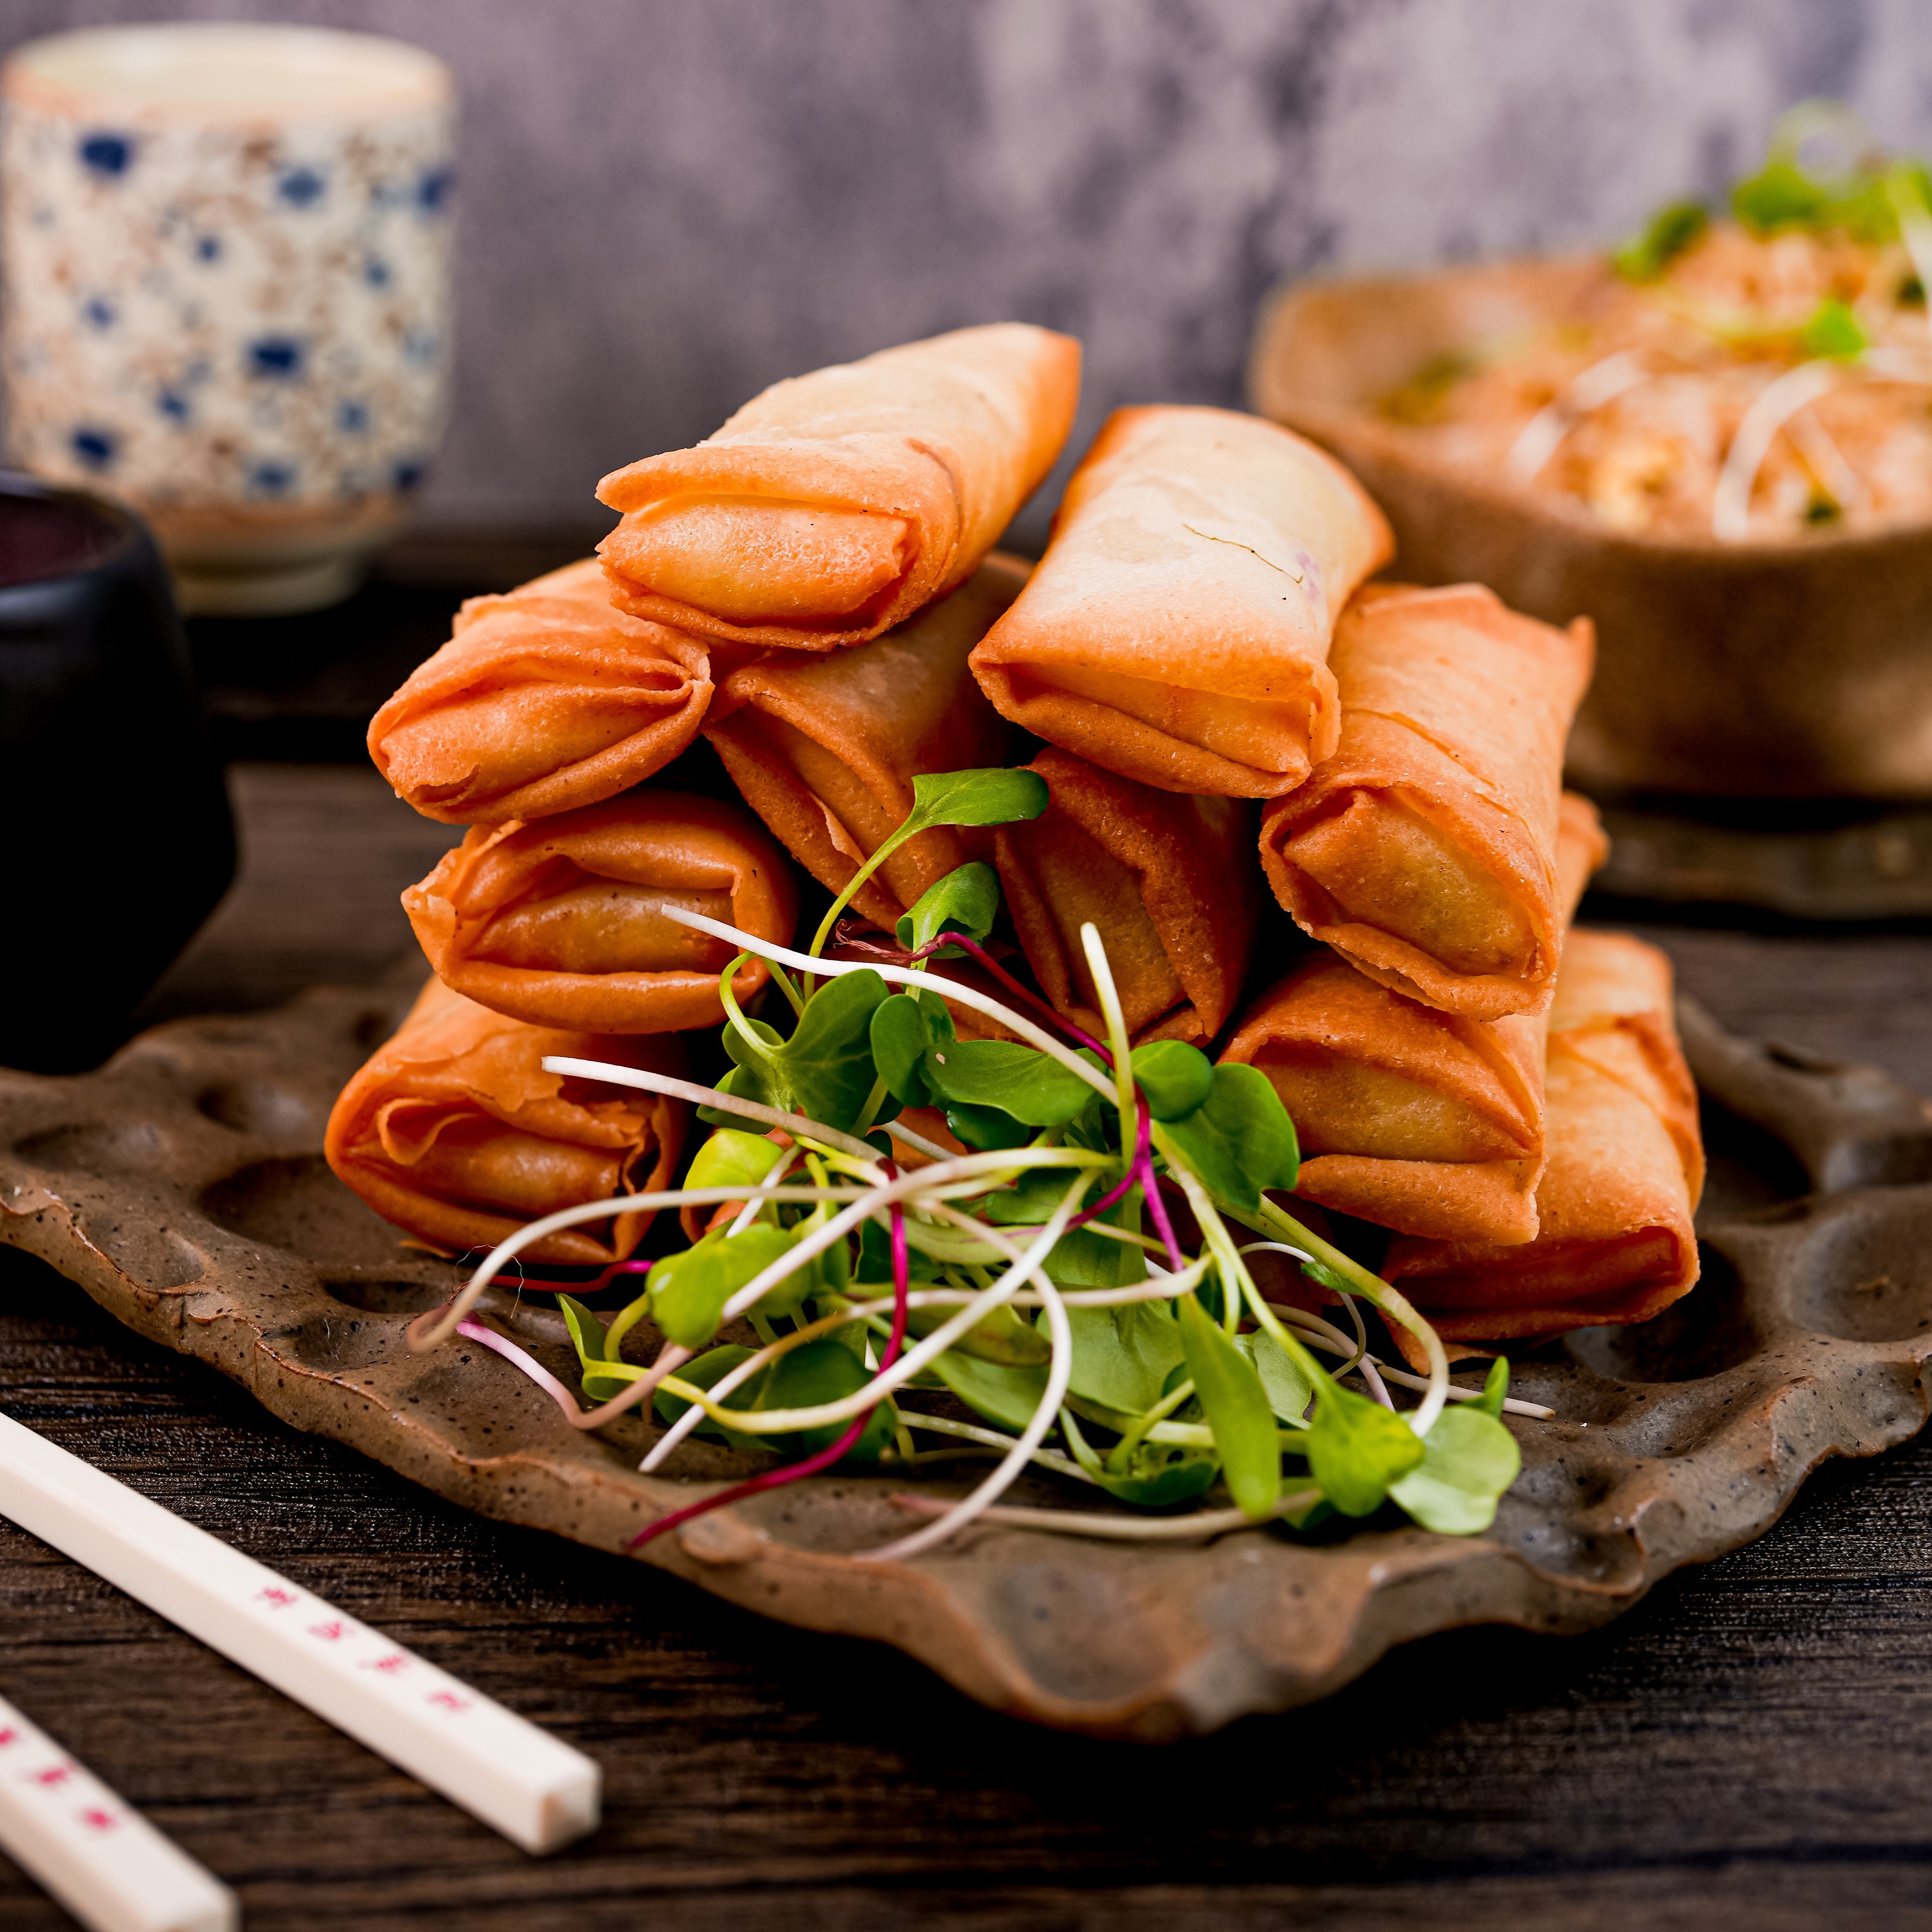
(431, 1329)
(922, 982)
(1059, 1373)
(796, 1125)
(1323, 1335)
(919, 1297)
(1828, 464)
(1774, 404)
(907, 1185)
(990, 1439)
(670, 1357)
(1394, 1304)
(1123, 1529)
(1026, 1266)
(1542, 435)
(932, 1149)
(1109, 995)
(1915, 230)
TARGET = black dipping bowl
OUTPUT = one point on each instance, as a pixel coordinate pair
(117, 838)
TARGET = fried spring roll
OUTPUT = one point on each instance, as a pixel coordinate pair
(1626, 1168)
(454, 1132)
(835, 505)
(825, 749)
(1423, 1121)
(560, 923)
(1169, 881)
(1176, 631)
(542, 700)
(1423, 850)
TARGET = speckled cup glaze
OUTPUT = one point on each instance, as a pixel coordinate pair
(227, 254)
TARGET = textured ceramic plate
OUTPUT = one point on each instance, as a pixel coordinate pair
(183, 1188)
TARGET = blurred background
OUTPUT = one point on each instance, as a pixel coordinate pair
(666, 205)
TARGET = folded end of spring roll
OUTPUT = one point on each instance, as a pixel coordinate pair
(454, 1132)
(1176, 631)
(1423, 849)
(542, 700)
(561, 922)
(1420, 1121)
(835, 505)
(1416, 1119)
(1615, 1243)
(825, 749)
(1169, 881)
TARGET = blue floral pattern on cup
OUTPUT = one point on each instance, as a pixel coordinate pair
(228, 322)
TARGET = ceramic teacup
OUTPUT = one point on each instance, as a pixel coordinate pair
(227, 253)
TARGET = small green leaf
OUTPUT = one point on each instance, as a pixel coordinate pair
(986, 1128)
(1176, 1078)
(1288, 1388)
(979, 797)
(1781, 195)
(1238, 1411)
(593, 1343)
(1007, 1396)
(706, 1372)
(1835, 332)
(689, 1291)
(1003, 1336)
(1495, 1386)
(1668, 233)
(1122, 1356)
(966, 900)
(1029, 1201)
(900, 1038)
(1159, 1476)
(828, 1060)
(732, 1158)
(1031, 1086)
(875, 1258)
(1356, 1449)
(1469, 1459)
(821, 1372)
(1240, 1142)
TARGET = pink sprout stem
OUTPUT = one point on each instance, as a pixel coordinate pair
(1013, 986)
(830, 1457)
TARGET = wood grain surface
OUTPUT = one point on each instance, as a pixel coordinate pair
(1752, 1747)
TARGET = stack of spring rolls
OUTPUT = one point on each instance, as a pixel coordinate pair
(805, 589)
(1226, 712)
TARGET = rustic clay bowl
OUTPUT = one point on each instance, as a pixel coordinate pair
(182, 1187)
(1793, 669)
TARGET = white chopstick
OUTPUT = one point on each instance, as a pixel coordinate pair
(104, 1861)
(535, 1790)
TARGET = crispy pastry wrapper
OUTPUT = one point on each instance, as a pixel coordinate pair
(542, 700)
(825, 749)
(835, 505)
(1171, 882)
(1626, 1169)
(559, 923)
(454, 1132)
(1429, 1123)
(1176, 631)
(1423, 850)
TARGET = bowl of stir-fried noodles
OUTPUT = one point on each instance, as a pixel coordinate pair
(1716, 441)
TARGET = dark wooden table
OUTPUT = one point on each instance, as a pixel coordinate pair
(1752, 1747)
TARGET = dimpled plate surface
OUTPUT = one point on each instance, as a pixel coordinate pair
(182, 1186)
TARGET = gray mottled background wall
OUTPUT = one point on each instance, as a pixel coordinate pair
(667, 204)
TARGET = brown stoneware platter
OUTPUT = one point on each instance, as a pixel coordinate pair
(1792, 668)
(182, 1186)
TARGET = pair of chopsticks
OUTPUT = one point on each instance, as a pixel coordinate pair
(111, 1868)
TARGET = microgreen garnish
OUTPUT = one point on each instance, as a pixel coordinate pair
(1036, 1278)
